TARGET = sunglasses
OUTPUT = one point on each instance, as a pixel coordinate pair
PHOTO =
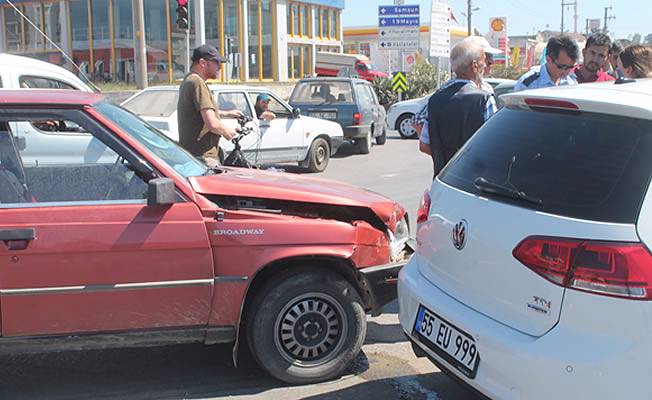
(563, 66)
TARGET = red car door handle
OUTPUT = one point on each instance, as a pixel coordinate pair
(17, 239)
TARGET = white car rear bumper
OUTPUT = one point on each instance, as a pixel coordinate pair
(600, 349)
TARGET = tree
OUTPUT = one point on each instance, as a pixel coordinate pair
(648, 38)
(636, 39)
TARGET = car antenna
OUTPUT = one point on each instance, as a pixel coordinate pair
(66, 56)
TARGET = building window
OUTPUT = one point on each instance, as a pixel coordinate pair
(212, 22)
(324, 24)
(81, 43)
(101, 69)
(254, 35)
(13, 31)
(317, 20)
(124, 41)
(303, 20)
(156, 38)
(299, 61)
(295, 20)
(332, 23)
(52, 25)
(260, 39)
(231, 39)
(268, 43)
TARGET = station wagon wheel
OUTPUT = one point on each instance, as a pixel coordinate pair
(318, 155)
(310, 328)
(405, 128)
(363, 145)
(306, 327)
(382, 138)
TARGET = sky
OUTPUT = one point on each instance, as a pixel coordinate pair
(523, 16)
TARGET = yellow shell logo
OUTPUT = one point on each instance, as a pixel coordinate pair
(498, 25)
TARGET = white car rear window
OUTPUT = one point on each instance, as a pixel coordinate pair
(153, 103)
(580, 165)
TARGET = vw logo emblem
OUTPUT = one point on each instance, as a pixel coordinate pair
(459, 234)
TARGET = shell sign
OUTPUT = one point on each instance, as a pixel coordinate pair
(497, 37)
(498, 24)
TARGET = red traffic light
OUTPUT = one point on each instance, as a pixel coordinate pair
(182, 3)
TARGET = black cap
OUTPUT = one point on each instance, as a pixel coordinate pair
(207, 52)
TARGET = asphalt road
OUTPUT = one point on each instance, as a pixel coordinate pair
(386, 368)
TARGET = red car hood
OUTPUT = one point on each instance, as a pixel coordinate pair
(285, 186)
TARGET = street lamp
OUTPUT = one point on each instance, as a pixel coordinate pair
(468, 14)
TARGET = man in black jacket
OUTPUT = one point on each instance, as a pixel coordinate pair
(458, 108)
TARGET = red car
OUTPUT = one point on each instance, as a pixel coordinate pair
(124, 239)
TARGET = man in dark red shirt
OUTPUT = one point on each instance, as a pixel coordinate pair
(596, 56)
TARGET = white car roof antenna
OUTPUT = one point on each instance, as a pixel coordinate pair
(65, 55)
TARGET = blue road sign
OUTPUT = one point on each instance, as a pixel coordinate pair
(398, 21)
(398, 10)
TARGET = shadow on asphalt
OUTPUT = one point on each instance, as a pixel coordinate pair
(346, 150)
(173, 372)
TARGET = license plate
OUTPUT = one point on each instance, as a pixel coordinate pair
(324, 114)
(454, 345)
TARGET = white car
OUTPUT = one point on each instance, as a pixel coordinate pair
(532, 277)
(41, 144)
(399, 115)
(18, 72)
(290, 137)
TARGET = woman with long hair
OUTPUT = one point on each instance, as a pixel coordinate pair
(636, 61)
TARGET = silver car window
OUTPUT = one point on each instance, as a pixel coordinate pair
(153, 103)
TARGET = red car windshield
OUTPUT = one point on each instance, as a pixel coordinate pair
(155, 141)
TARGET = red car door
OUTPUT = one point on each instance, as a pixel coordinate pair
(80, 249)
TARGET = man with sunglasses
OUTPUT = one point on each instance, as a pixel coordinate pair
(561, 57)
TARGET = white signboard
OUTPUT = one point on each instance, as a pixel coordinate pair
(398, 27)
(497, 32)
(594, 24)
(440, 33)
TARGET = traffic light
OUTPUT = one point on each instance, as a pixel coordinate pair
(182, 14)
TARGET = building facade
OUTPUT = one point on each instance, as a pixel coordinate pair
(264, 40)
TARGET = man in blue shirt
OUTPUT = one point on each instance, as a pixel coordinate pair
(561, 58)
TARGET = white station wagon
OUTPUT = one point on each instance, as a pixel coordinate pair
(532, 277)
(290, 137)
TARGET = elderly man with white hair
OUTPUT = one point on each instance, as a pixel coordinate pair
(459, 108)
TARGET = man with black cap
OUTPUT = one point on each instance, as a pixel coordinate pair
(198, 117)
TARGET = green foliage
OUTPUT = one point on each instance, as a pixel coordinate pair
(509, 72)
(421, 81)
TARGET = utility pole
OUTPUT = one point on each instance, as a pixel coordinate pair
(607, 16)
(140, 55)
(565, 4)
(587, 27)
(469, 10)
(575, 16)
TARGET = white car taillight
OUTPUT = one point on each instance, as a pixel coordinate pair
(620, 269)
